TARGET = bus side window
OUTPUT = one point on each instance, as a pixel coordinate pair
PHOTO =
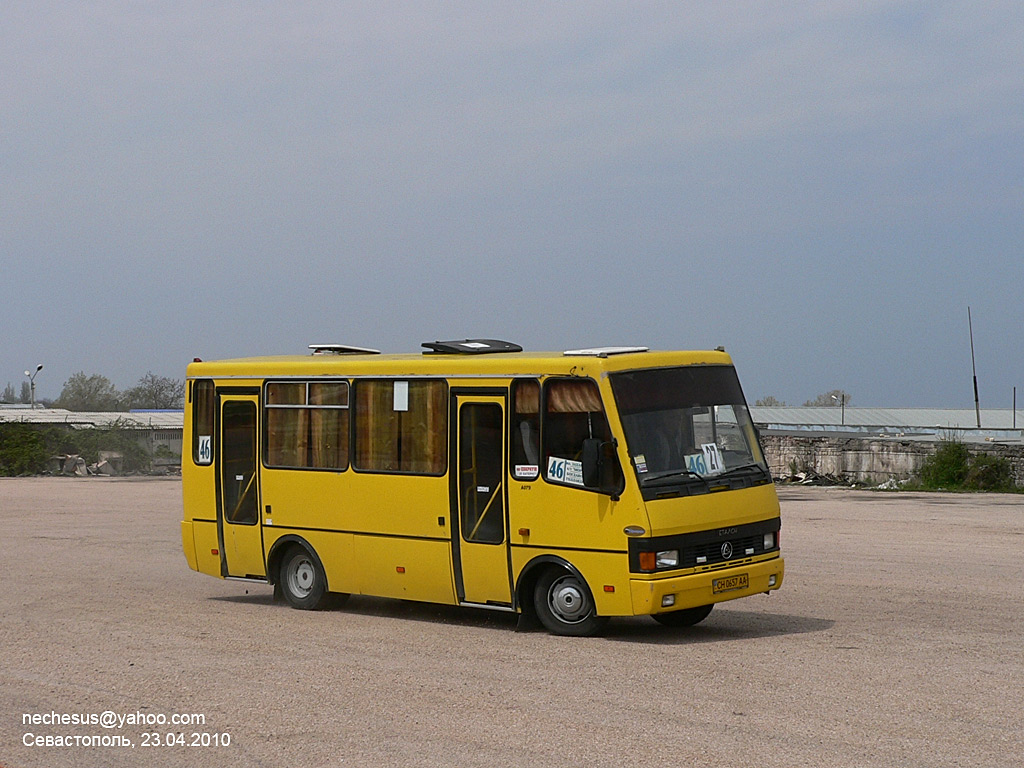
(401, 426)
(306, 425)
(203, 406)
(573, 412)
(525, 432)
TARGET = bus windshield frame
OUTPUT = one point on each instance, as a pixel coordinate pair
(689, 427)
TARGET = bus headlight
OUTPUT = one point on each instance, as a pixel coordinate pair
(667, 559)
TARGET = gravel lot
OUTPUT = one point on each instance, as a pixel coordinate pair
(896, 640)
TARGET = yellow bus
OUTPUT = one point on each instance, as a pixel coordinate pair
(568, 487)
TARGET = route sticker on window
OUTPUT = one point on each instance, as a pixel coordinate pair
(565, 471)
(712, 458)
(204, 453)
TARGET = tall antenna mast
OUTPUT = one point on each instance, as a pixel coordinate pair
(977, 402)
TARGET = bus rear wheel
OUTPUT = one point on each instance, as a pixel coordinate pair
(303, 582)
(684, 618)
(564, 604)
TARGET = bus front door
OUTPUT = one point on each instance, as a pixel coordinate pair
(479, 505)
(238, 510)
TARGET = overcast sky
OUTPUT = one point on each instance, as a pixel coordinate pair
(823, 188)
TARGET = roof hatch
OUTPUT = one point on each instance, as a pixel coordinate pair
(469, 347)
(341, 349)
(603, 351)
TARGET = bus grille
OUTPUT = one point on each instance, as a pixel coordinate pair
(712, 553)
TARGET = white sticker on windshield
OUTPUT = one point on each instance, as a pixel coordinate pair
(712, 458)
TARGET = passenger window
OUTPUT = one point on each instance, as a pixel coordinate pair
(401, 426)
(525, 434)
(203, 405)
(307, 425)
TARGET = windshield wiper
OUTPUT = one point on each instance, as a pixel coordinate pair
(740, 468)
(671, 475)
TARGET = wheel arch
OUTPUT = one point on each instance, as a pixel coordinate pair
(532, 572)
(282, 545)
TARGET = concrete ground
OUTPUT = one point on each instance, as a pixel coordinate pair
(896, 640)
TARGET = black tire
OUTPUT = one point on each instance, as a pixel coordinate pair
(687, 617)
(302, 580)
(565, 606)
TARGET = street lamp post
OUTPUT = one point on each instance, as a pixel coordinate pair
(32, 383)
(842, 407)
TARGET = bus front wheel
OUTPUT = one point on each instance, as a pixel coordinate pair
(302, 580)
(564, 604)
(687, 617)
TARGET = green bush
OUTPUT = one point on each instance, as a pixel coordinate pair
(952, 467)
(89, 442)
(990, 473)
(23, 450)
(947, 467)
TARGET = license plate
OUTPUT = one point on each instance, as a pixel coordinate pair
(730, 583)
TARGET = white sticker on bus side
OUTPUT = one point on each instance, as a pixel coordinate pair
(565, 471)
(401, 393)
(204, 452)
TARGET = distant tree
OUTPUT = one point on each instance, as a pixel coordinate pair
(154, 391)
(9, 395)
(26, 392)
(89, 393)
(833, 397)
(770, 401)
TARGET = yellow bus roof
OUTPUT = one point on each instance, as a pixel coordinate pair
(494, 365)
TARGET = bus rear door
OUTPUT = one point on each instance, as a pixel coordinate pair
(480, 551)
(238, 507)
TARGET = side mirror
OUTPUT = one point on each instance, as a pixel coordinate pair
(599, 467)
(592, 463)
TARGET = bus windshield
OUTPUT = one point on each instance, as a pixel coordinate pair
(688, 425)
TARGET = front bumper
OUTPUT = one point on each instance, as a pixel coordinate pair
(698, 588)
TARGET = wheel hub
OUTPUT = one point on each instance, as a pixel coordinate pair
(300, 579)
(567, 600)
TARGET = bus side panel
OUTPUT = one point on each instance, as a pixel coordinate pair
(562, 516)
(599, 569)
(207, 549)
(410, 569)
(188, 544)
(398, 505)
(335, 551)
(302, 499)
(199, 500)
